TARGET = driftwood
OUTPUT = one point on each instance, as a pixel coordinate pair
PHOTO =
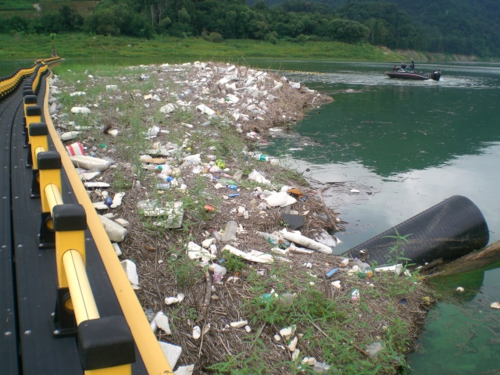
(469, 262)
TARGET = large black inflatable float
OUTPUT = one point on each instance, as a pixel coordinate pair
(448, 230)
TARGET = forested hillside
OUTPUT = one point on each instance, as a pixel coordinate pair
(453, 26)
(458, 26)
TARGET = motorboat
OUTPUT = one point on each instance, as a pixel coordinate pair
(412, 75)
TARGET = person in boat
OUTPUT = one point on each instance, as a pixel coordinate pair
(412, 66)
(396, 68)
(403, 66)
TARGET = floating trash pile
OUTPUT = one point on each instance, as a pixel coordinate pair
(200, 217)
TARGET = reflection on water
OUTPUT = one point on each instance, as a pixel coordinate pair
(385, 202)
(407, 146)
(394, 129)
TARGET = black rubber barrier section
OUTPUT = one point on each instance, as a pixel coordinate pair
(9, 356)
(28, 275)
(448, 230)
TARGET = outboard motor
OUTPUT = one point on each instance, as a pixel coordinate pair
(436, 75)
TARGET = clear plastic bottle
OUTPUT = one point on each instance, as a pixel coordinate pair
(230, 231)
(321, 368)
(362, 265)
(274, 240)
(217, 235)
(163, 186)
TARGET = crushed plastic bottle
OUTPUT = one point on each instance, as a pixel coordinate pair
(163, 186)
(362, 265)
(237, 175)
(321, 368)
(274, 240)
(363, 269)
(217, 235)
(229, 231)
(226, 181)
(373, 349)
(165, 169)
(261, 157)
(285, 300)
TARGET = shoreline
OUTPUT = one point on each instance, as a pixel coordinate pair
(202, 120)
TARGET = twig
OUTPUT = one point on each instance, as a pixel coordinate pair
(327, 211)
(360, 350)
(208, 292)
(319, 329)
(201, 341)
(224, 345)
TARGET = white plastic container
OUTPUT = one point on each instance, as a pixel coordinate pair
(90, 163)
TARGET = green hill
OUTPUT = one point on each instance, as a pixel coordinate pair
(454, 27)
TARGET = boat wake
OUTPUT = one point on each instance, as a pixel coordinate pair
(378, 78)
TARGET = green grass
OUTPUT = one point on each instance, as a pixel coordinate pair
(170, 49)
(25, 8)
(10, 5)
(334, 330)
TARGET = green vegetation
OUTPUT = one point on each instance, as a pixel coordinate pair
(395, 254)
(448, 27)
(175, 50)
(334, 329)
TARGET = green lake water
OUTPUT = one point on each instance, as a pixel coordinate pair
(405, 146)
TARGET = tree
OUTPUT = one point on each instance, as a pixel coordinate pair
(348, 31)
(379, 31)
(69, 20)
(17, 23)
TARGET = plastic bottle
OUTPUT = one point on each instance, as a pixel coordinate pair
(285, 300)
(230, 231)
(331, 272)
(362, 265)
(108, 201)
(261, 157)
(237, 175)
(321, 368)
(217, 235)
(274, 240)
(165, 169)
(226, 181)
(163, 186)
(233, 187)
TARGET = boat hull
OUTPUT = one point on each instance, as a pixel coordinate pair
(408, 75)
(436, 76)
